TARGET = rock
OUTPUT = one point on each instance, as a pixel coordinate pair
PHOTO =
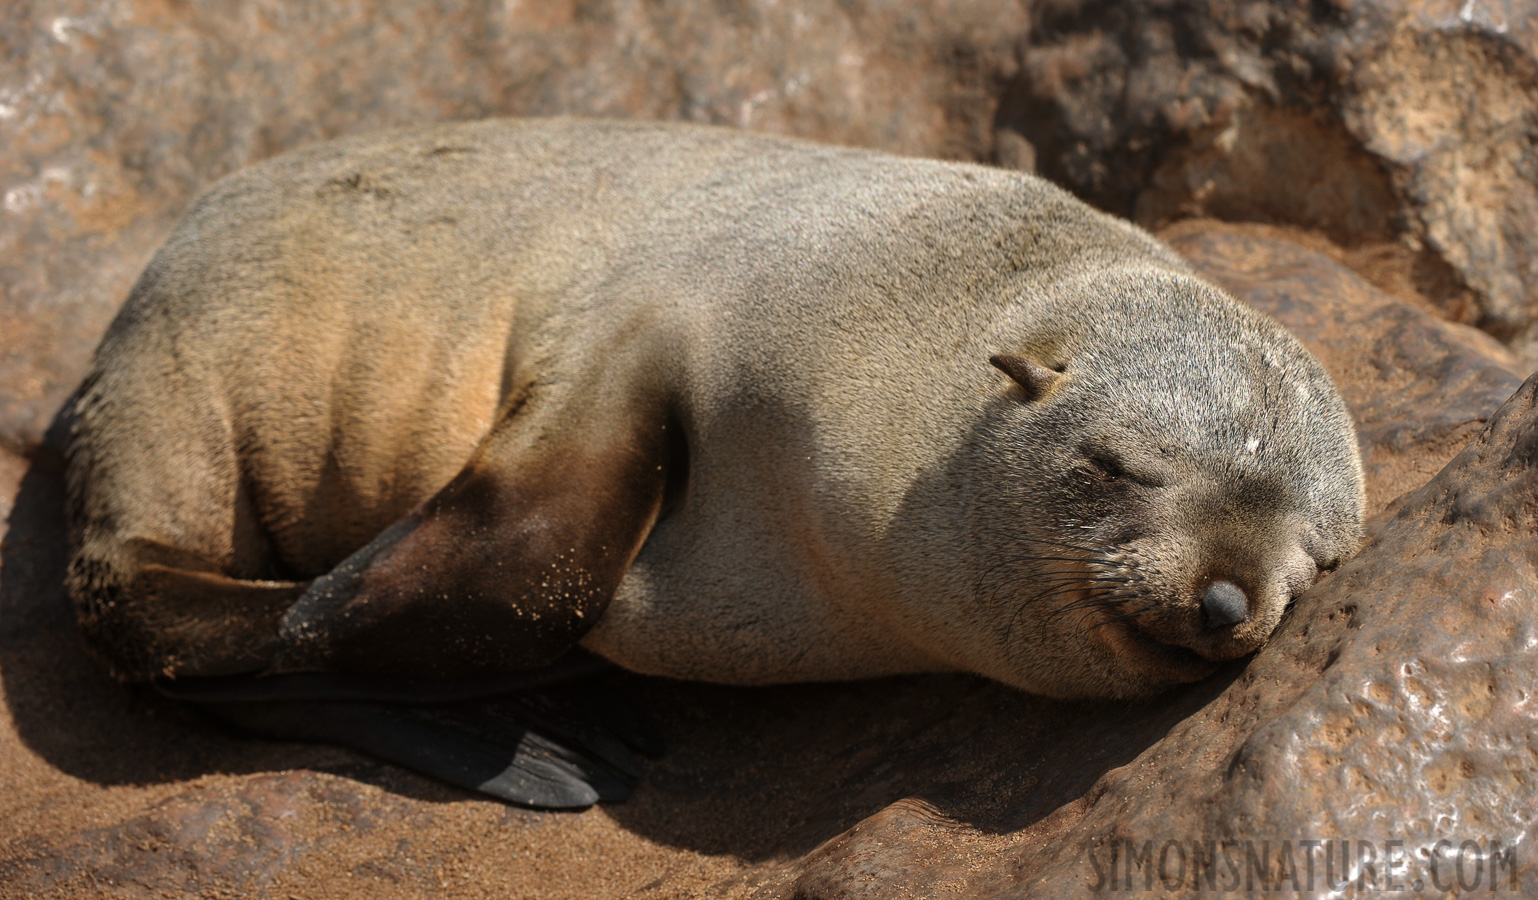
(1407, 126)
(1392, 705)
(233, 841)
(1402, 129)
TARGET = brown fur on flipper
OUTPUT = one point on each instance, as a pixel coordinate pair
(507, 566)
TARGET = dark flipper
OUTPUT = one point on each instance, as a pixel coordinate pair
(550, 745)
(519, 766)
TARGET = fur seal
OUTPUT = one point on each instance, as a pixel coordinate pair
(449, 403)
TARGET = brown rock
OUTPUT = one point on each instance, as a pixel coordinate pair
(1403, 128)
(1404, 125)
(234, 840)
(1393, 706)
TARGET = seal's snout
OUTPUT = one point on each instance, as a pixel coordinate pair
(1225, 604)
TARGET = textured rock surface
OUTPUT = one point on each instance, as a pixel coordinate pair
(1407, 126)
(243, 837)
(1396, 704)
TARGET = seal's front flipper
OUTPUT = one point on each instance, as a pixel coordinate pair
(507, 566)
(562, 746)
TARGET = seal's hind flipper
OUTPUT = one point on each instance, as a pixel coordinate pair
(602, 720)
(564, 747)
(513, 764)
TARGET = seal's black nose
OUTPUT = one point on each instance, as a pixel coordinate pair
(1225, 604)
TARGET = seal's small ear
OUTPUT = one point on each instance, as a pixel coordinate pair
(1035, 378)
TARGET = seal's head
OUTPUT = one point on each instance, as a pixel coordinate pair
(1174, 467)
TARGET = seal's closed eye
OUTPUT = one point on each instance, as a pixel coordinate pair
(1112, 469)
(1107, 469)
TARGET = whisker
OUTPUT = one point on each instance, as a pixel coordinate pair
(1064, 544)
(1091, 585)
(1114, 619)
(1106, 603)
(1093, 577)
